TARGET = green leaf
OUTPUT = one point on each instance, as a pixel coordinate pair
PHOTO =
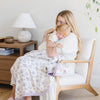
(97, 9)
(98, 3)
(90, 18)
(88, 5)
(93, 0)
(88, 13)
(96, 29)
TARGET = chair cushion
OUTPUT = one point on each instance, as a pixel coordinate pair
(86, 48)
(82, 68)
(72, 80)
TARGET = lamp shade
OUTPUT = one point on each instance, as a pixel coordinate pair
(24, 20)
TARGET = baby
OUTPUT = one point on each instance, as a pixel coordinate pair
(61, 32)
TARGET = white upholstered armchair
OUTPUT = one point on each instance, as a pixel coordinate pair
(82, 76)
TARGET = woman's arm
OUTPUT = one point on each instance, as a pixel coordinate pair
(46, 33)
(59, 45)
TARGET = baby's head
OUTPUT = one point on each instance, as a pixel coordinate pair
(63, 30)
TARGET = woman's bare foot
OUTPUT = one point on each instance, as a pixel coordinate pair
(12, 96)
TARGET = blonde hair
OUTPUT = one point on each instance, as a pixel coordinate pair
(63, 28)
(70, 21)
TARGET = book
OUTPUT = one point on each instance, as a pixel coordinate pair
(9, 50)
(6, 52)
(5, 48)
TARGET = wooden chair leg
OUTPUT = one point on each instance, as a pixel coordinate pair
(89, 88)
(57, 94)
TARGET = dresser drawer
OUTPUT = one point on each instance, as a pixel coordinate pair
(5, 75)
(5, 64)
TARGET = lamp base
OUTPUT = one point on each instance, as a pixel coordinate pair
(24, 36)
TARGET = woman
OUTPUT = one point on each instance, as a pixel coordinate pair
(64, 17)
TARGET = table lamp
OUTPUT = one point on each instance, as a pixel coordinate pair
(24, 22)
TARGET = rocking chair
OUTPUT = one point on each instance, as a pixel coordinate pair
(83, 69)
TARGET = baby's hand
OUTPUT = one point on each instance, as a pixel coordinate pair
(51, 44)
(59, 45)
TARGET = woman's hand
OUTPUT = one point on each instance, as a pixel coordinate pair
(46, 33)
(49, 31)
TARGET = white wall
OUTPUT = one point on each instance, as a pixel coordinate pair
(44, 13)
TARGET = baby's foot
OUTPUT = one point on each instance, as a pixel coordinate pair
(10, 98)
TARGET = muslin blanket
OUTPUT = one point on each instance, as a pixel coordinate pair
(31, 73)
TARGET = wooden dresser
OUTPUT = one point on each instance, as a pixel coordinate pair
(7, 61)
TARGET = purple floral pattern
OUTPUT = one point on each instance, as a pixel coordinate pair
(31, 73)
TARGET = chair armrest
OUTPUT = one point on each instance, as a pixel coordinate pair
(75, 61)
(71, 61)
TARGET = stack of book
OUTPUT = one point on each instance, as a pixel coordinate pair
(6, 51)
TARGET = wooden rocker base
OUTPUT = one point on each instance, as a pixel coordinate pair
(87, 87)
(90, 89)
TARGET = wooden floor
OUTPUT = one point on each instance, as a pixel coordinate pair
(80, 94)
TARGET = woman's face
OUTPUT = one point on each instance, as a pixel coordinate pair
(61, 20)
